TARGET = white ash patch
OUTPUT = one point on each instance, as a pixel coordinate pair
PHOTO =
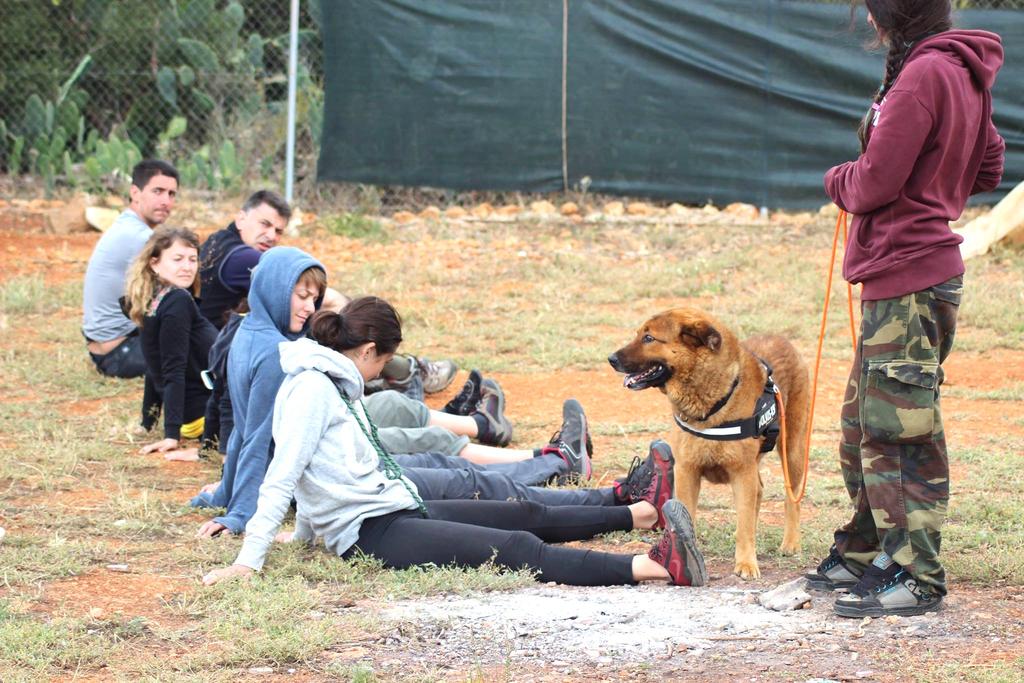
(622, 624)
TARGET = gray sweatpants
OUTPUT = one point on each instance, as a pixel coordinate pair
(469, 484)
(402, 425)
(530, 472)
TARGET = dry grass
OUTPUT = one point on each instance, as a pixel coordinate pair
(527, 300)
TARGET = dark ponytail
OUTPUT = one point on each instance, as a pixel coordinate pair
(362, 320)
(902, 23)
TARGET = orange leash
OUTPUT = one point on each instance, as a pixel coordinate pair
(841, 224)
(849, 307)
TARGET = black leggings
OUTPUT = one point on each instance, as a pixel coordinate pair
(514, 534)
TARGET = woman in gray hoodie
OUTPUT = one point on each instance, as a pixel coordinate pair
(352, 494)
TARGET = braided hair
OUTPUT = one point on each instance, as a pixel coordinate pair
(901, 24)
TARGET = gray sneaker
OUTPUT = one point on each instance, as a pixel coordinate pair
(437, 374)
(887, 589)
(492, 407)
(832, 574)
(402, 374)
(572, 443)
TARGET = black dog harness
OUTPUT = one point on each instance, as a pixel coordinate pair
(764, 423)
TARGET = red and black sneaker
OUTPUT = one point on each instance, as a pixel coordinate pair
(663, 480)
(677, 551)
(652, 480)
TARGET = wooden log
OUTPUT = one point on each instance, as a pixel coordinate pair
(1004, 222)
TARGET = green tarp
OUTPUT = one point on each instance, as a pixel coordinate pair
(721, 100)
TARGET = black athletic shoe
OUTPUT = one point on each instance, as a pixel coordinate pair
(466, 400)
(492, 407)
(886, 589)
(832, 574)
(572, 442)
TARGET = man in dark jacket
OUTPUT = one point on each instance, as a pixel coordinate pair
(227, 258)
(226, 261)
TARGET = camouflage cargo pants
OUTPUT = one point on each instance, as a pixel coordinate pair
(893, 449)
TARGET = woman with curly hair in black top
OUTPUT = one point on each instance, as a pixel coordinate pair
(176, 339)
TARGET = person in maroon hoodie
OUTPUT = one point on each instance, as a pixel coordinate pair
(927, 144)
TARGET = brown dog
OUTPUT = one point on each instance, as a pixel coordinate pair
(712, 381)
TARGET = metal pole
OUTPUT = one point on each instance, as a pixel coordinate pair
(565, 97)
(293, 67)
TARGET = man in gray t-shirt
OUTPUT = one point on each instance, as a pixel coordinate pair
(112, 338)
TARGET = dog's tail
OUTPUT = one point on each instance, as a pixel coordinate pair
(797, 401)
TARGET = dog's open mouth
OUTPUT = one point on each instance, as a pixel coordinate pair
(654, 376)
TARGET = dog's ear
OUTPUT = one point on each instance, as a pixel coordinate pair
(701, 334)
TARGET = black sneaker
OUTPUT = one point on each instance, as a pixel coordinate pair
(652, 480)
(571, 442)
(832, 574)
(886, 589)
(468, 397)
(492, 407)
(677, 550)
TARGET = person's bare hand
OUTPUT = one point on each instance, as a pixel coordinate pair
(235, 571)
(210, 488)
(161, 446)
(284, 537)
(182, 454)
(209, 529)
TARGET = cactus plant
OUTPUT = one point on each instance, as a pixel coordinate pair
(14, 161)
(3, 141)
(207, 84)
(166, 85)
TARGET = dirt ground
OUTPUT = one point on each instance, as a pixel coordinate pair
(548, 633)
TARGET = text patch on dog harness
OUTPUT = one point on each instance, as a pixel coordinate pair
(764, 423)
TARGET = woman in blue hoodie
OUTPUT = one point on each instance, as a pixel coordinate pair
(927, 144)
(351, 492)
(286, 289)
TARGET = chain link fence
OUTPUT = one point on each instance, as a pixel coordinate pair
(87, 87)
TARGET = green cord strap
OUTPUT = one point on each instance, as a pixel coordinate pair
(392, 470)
